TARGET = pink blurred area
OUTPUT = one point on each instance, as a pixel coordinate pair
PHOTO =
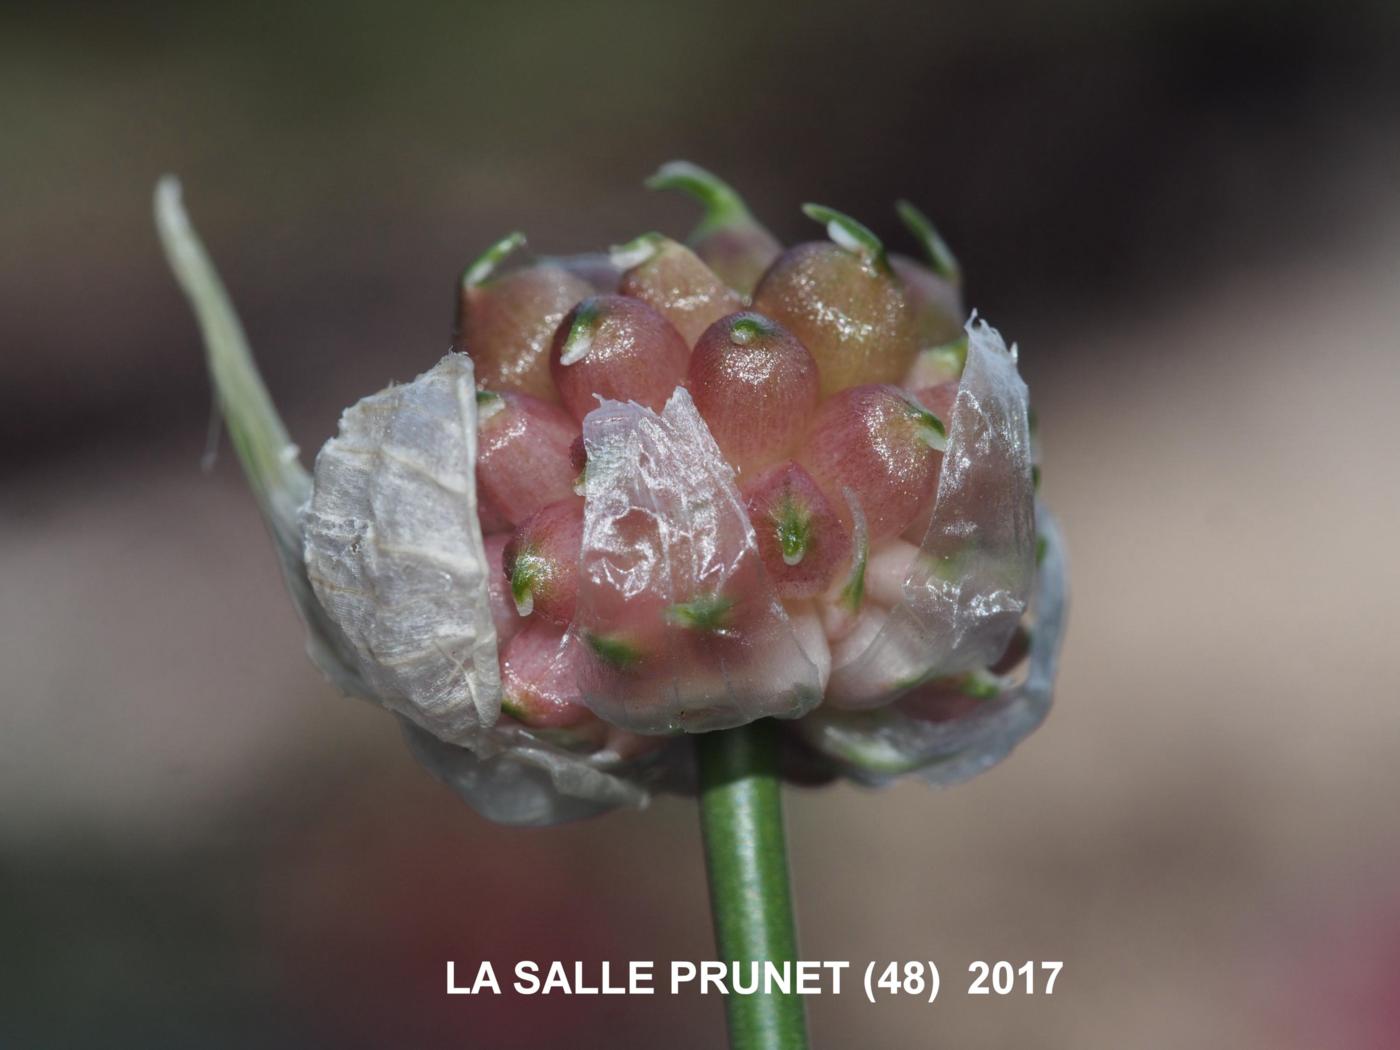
(1194, 237)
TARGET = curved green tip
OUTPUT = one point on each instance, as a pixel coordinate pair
(723, 206)
(793, 525)
(849, 233)
(852, 595)
(745, 328)
(488, 404)
(637, 251)
(485, 267)
(579, 341)
(940, 256)
(931, 429)
(525, 577)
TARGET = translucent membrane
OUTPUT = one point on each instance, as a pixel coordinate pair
(514, 775)
(969, 586)
(395, 555)
(681, 623)
(944, 730)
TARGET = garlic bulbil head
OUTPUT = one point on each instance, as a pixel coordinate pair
(672, 490)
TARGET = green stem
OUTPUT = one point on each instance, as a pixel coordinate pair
(746, 858)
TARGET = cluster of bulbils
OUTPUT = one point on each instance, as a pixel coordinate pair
(677, 488)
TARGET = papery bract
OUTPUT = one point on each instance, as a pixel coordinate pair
(683, 627)
(970, 584)
(950, 730)
(395, 554)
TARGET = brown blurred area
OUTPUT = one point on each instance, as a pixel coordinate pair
(1188, 215)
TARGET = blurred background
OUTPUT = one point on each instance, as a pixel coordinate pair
(1187, 213)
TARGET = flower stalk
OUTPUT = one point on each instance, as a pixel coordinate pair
(746, 860)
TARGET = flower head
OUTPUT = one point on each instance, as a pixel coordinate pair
(672, 490)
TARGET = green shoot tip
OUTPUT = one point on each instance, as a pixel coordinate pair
(850, 234)
(481, 271)
(723, 206)
(636, 251)
(940, 256)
